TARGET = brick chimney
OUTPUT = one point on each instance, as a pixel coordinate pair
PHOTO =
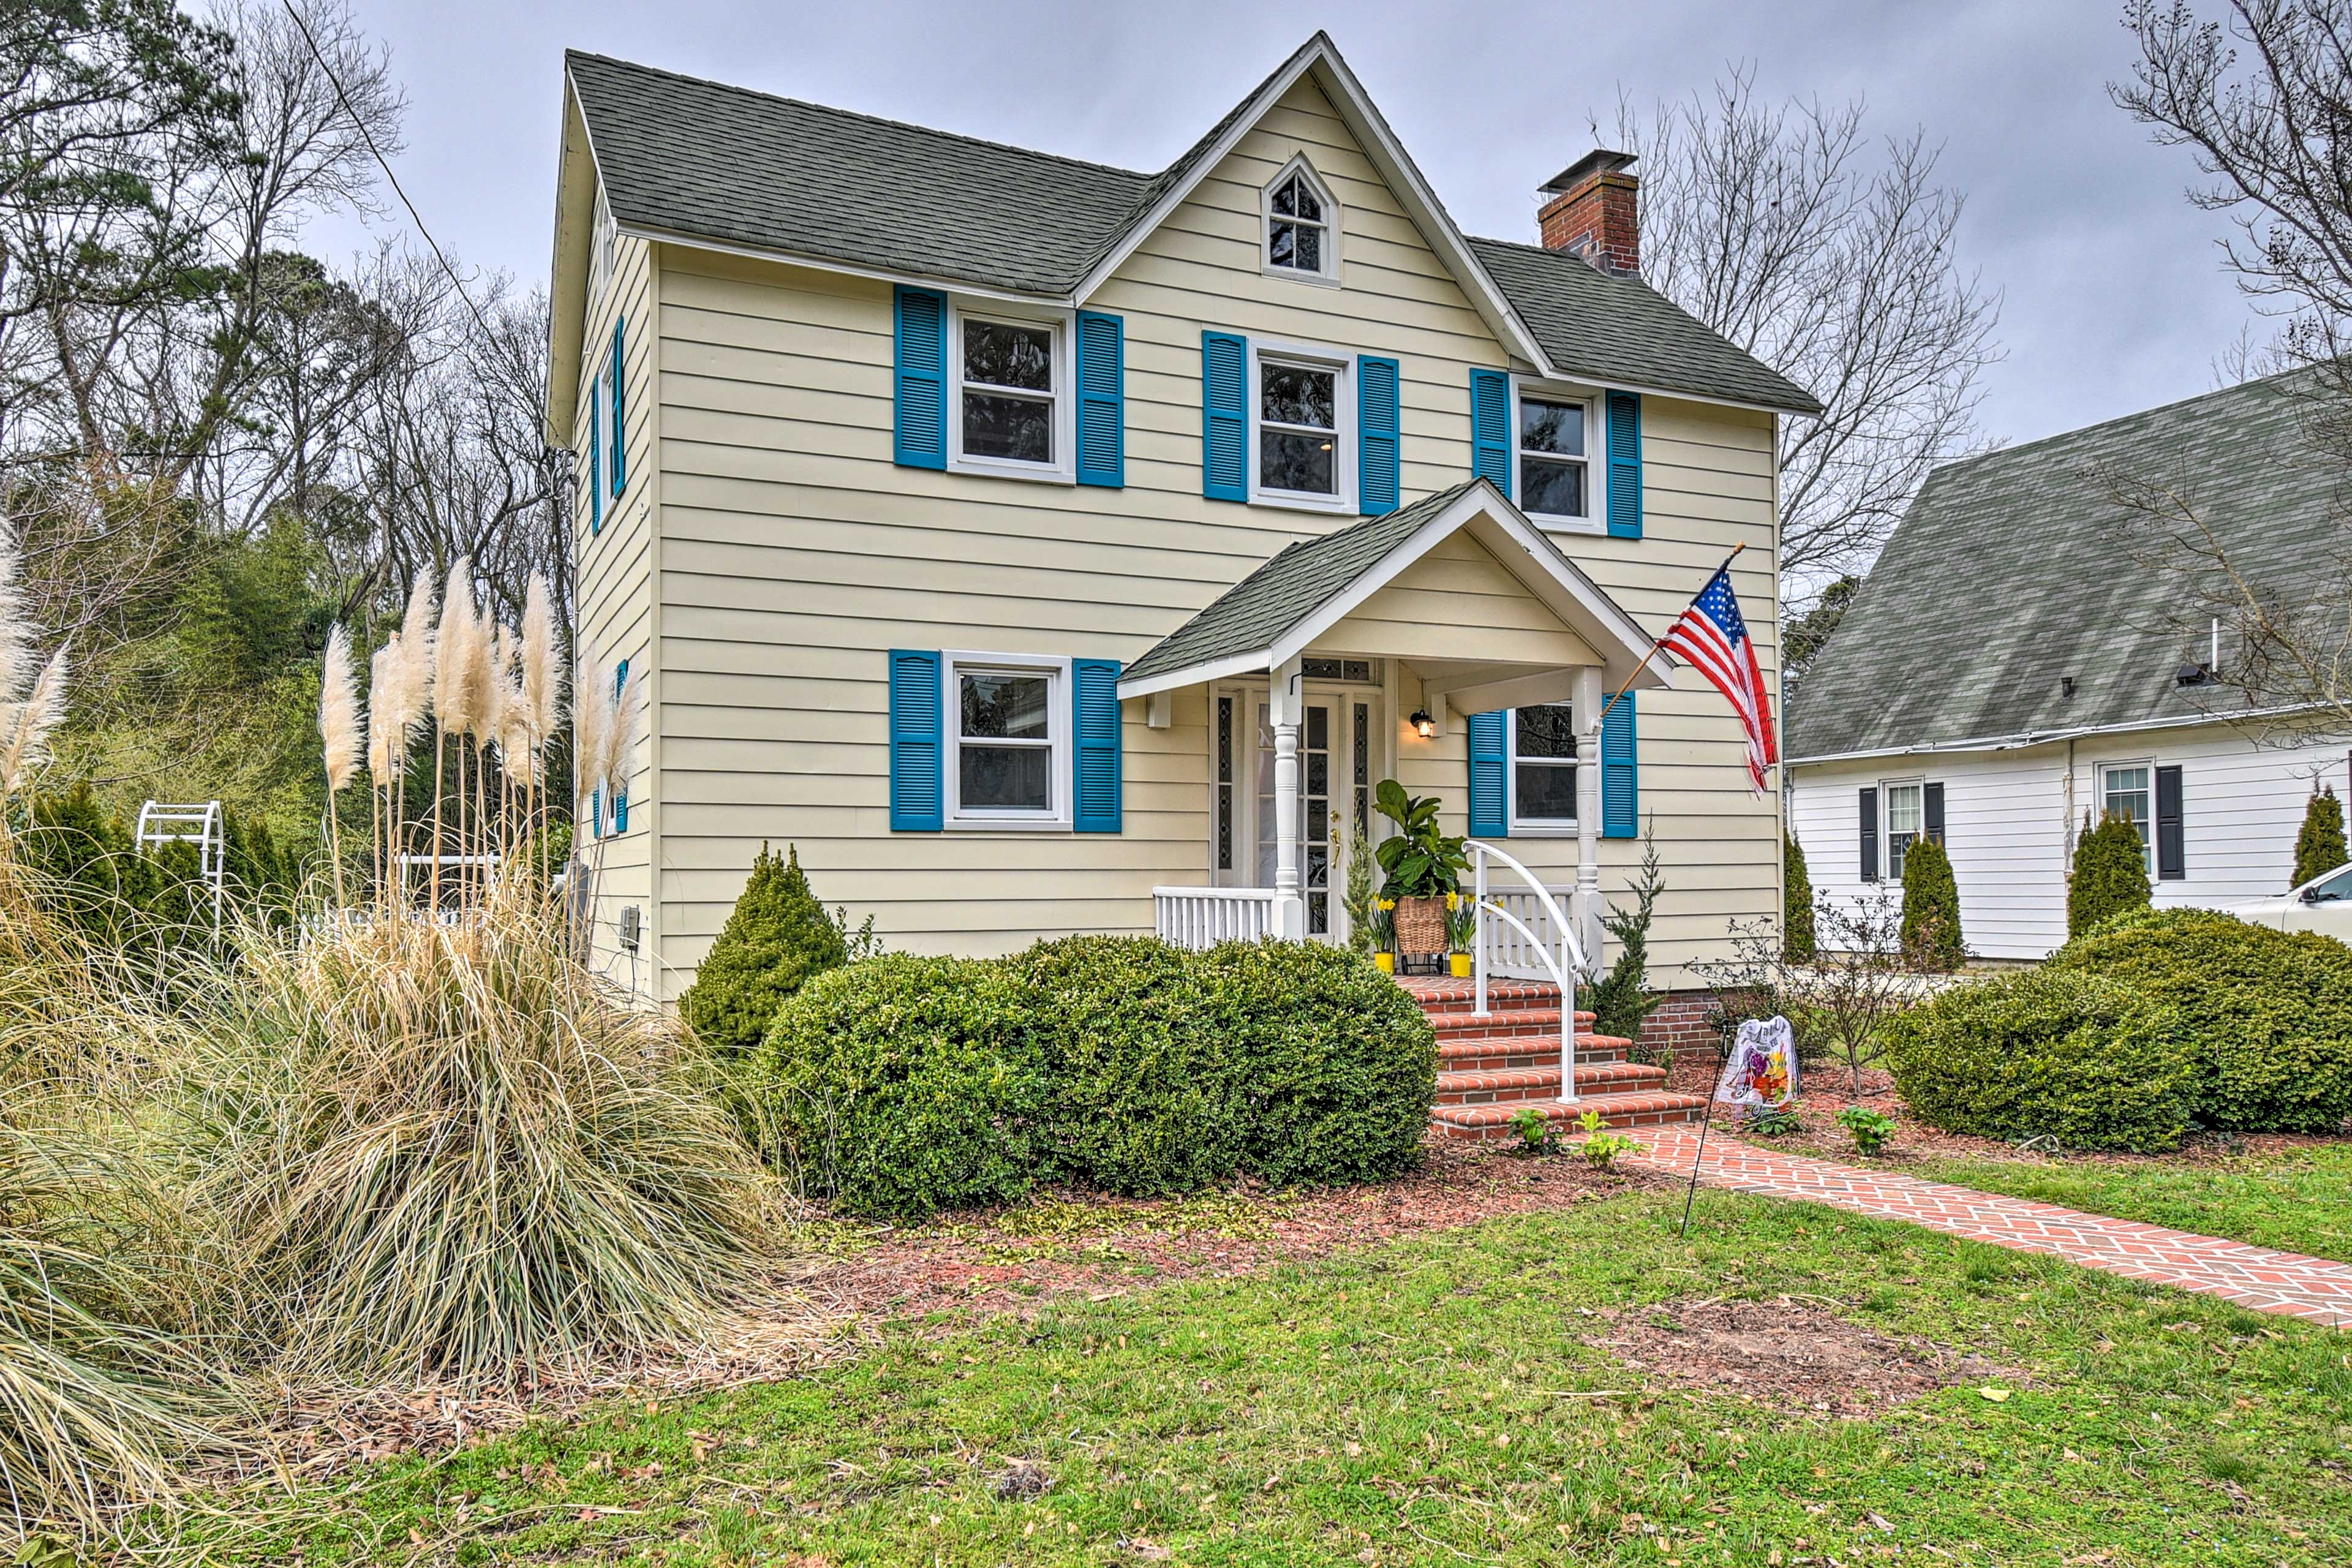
(1590, 210)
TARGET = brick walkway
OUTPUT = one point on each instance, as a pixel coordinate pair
(2283, 1282)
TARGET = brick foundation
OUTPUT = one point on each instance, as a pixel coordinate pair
(1680, 1023)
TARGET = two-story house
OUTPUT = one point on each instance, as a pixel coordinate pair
(1046, 547)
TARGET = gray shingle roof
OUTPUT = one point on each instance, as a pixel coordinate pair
(2011, 571)
(1253, 614)
(691, 157)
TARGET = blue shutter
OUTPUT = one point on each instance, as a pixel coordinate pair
(620, 405)
(1377, 418)
(1620, 779)
(1490, 427)
(620, 784)
(1102, 400)
(917, 801)
(922, 396)
(1224, 416)
(1094, 684)
(1490, 774)
(596, 813)
(1624, 465)
(595, 457)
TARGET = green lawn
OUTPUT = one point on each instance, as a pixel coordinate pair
(1411, 1404)
(2300, 1201)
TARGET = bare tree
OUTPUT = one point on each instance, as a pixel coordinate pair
(1832, 259)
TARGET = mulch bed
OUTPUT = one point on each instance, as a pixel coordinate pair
(1786, 1353)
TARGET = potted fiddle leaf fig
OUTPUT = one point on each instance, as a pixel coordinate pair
(1423, 866)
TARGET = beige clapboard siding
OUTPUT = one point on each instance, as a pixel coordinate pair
(792, 554)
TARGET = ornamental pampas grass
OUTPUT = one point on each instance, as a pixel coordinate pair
(592, 725)
(621, 736)
(457, 662)
(381, 695)
(26, 726)
(339, 736)
(542, 676)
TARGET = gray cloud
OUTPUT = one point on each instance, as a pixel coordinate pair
(2115, 298)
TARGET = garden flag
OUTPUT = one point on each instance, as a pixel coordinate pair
(1712, 636)
(1762, 1073)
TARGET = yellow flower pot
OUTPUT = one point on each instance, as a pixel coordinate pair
(1460, 964)
(1386, 960)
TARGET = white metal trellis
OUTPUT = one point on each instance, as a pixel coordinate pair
(160, 823)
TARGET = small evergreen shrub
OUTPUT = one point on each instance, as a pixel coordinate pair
(2269, 1013)
(2092, 1063)
(1931, 906)
(2110, 874)
(2319, 848)
(1621, 999)
(777, 940)
(902, 1085)
(1798, 940)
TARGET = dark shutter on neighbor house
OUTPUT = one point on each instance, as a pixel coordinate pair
(1870, 836)
(1102, 400)
(918, 803)
(1224, 416)
(1377, 418)
(2171, 841)
(1094, 684)
(920, 396)
(1489, 775)
(1932, 811)
(1490, 427)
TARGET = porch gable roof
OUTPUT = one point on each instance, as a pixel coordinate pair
(1272, 616)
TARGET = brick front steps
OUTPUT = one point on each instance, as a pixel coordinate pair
(1491, 1069)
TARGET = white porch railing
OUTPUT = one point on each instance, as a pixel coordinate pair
(1202, 917)
(1547, 943)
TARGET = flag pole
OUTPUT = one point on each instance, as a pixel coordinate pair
(1722, 1054)
(1657, 642)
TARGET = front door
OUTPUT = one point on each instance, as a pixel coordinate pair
(1340, 751)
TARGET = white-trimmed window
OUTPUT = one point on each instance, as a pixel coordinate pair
(1543, 768)
(1555, 436)
(1302, 225)
(2129, 790)
(1906, 819)
(1011, 410)
(1008, 741)
(601, 250)
(1301, 401)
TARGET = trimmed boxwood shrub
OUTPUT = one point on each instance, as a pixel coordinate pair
(901, 1085)
(2091, 1063)
(2268, 1012)
(777, 938)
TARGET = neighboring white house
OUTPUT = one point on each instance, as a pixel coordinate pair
(2015, 662)
(1045, 547)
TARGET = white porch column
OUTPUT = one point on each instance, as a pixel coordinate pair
(1286, 706)
(1587, 907)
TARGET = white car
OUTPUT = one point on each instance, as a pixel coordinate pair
(2323, 904)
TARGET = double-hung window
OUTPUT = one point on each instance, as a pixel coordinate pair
(1299, 214)
(1303, 401)
(1011, 404)
(1543, 767)
(1552, 454)
(1906, 818)
(2125, 791)
(1008, 731)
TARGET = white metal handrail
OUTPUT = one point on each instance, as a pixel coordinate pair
(1564, 967)
(1200, 917)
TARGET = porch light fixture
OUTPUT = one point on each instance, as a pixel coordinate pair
(1423, 724)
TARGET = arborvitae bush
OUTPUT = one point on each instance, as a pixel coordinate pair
(2110, 875)
(1620, 999)
(778, 939)
(1797, 938)
(2319, 848)
(1931, 906)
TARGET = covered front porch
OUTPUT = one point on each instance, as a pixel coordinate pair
(1363, 655)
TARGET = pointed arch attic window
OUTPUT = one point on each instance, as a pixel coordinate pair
(1301, 226)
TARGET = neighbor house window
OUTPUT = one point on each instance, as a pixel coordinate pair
(1009, 405)
(1008, 731)
(1906, 819)
(2124, 789)
(1303, 401)
(1543, 766)
(1554, 442)
(1299, 214)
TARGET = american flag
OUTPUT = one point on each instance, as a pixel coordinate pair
(1711, 637)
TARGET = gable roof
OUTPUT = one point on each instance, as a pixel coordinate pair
(698, 160)
(1270, 616)
(2009, 574)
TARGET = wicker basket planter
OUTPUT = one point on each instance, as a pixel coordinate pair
(1421, 925)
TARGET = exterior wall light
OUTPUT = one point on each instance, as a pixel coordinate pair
(1423, 724)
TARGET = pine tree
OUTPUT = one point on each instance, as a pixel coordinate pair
(1797, 938)
(1931, 906)
(1621, 998)
(2319, 848)
(2110, 874)
(778, 938)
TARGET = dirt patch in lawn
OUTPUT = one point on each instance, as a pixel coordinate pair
(1785, 1353)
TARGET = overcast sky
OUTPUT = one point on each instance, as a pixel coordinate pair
(2115, 298)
